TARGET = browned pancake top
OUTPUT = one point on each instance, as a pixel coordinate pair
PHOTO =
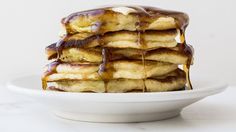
(141, 11)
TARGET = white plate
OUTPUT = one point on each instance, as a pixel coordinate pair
(116, 107)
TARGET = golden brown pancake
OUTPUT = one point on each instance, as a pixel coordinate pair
(129, 69)
(121, 39)
(173, 81)
(94, 55)
(131, 18)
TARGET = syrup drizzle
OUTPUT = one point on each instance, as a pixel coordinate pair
(145, 73)
(51, 68)
(105, 68)
(186, 49)
(141, 44)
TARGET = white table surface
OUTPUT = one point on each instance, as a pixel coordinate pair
(214, 113)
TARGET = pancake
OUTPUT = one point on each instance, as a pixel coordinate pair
(121, 39)
(118, 69)
(94, 55)
(174, 81)
(131, 18)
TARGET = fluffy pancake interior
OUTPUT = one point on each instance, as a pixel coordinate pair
(118, 69)
(94, 55)
(173, 81)
(120, 39)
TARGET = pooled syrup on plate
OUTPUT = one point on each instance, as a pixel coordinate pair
(105, 68)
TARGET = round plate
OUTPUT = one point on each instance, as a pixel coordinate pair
(116, 107)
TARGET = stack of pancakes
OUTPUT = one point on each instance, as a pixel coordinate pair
(120, 49)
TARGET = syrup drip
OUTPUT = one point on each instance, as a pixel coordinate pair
(141, 43)
(187, 50)
(105, 68)
(65, 43)
(145, 74)
(51, 68)
(140, 40)
(59, 46)
(44, 83)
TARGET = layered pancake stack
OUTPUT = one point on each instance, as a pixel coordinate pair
(120, 49)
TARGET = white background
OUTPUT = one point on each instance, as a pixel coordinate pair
(28, 26)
